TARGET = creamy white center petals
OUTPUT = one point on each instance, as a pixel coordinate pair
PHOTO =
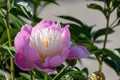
(47, 42)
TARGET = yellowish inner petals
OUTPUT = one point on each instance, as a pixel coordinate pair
(46, 43)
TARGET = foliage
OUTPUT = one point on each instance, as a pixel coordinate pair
(12, 13)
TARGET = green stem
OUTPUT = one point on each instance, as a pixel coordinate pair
(105, 40)
(106, 33)
(100, 63)
(57, 76)
(9, 41)
(46, 76)
(100, 66)
(31, 77)
(12, 68)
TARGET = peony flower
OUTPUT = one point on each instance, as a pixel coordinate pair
(45, 47)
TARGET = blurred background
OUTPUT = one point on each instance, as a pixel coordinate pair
(32, 11)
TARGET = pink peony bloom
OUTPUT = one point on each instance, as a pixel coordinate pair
(45, 47)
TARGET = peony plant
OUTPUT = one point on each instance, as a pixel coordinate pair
(45, 46)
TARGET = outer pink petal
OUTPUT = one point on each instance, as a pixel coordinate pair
(43, 67)
(65, 52)
(78, 52)
(21, 37)
(31, 54)
(27, 28)
(22, 62)
(20, 40)
(55, 61)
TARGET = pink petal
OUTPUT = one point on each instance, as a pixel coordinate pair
(43, 67)
(21, 37)
(22, 62)
(66, 33)
(55, 61)
(43, 24)
(20, 40)
(65, 52)
(27, 28)
(78, 52)
(30, 53)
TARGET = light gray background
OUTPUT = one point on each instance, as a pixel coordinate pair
(78, 9)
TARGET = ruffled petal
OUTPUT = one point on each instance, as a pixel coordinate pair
(66, 33)
(43, 24)
(20, 40)
(22, 62)
(27, 28)
(21, 37)
(78, 52)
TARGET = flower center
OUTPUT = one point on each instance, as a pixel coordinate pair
(46, 43)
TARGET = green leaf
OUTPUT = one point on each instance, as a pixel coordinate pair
(38, 74)
(85, 70)
(96, 7)
(113, 54)
(91, 47)
(108, 3)
(72, 19)
(116, 3)
(113, 64)
(51, 1)
(46, 2)
(118, 12)
(2, 23)
(16, 21)
(13, 33)
(2, 77)
(1, 29)
(26, 8)
(36, 2)
(75, 29)
(2, 3)
(25, 76)
(76, 75)
(118, 49)
(17, 11)
(4, 37)
(82, 33)
(58, 69)
(9, 50)
(101, 32)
